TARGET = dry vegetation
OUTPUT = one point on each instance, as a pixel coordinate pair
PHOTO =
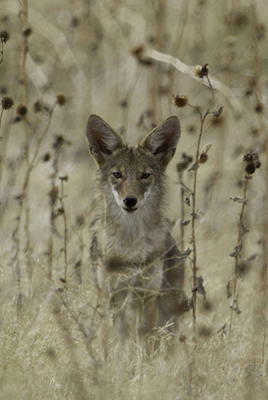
(62, 61)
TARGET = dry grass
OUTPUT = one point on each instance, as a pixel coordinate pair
(57, 337)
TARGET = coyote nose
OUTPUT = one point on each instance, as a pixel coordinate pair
(130, 201)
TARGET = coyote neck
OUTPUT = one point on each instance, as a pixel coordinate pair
(134, 236)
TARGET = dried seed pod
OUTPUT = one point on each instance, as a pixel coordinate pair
(7, 103)
(252, 163)
(4, 36)
(201, 71)
(250, 168)
(46, 157)
(180, 101)
(27, 31)
(61, 99)
(204, 154)
(22, 109)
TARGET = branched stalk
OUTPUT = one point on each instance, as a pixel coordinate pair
(1, 115)
(194, 218)
(194, 198)
(2, 52)
(234, 304)
(65, 231)
(182, 210)
(252, 162)
(16, 233)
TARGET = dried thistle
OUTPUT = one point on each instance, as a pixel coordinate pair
(4, 36)
(180, 101)
(204, 154)
(22, 109)
(61, 99)
(201, 71)
(252, 163)
(27, 31)
(7, 103)
(46, 157)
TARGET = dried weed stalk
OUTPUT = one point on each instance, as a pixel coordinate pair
(56, 197)
(251, 164)
(201, 157)
(4, 36)
(22, 197)
(62, 211)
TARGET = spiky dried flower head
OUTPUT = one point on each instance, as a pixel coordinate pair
(203, 158)
(46, 157)
(252, 163)
(204, 154)
(201, 71)
(180, 101)
(184, 163)
(61, 99)
(7, 103)
(22, 109)
(27, 31)
(4, 36)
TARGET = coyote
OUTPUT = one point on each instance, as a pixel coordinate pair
(131, 242)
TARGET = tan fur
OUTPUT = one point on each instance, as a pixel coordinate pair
(131, 242)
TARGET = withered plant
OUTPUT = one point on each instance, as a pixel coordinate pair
(201, 157)
(252, 163)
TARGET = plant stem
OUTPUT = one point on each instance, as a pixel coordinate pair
(239, 242)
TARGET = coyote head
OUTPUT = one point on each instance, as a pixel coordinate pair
(131, 176)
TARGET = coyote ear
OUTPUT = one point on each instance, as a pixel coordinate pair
(162, 140)
(102, 139)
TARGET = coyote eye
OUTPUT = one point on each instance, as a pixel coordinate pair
(117, 175)
(145, 175)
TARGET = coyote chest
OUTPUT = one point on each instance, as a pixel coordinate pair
(131, 241)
